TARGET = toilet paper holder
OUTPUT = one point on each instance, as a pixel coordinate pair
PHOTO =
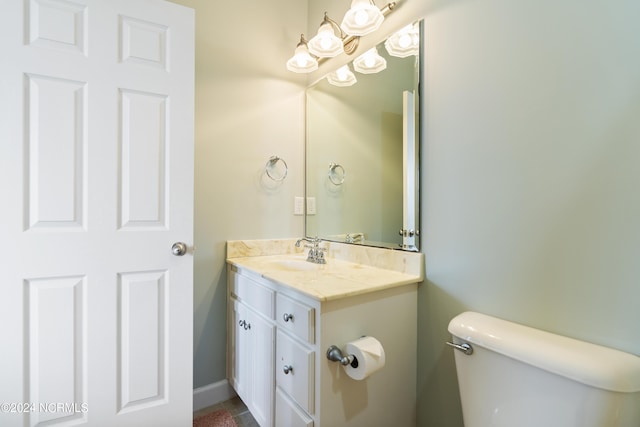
(335, 355)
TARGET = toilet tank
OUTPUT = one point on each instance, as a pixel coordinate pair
(519, 376)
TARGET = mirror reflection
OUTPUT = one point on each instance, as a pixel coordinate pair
(361, 151)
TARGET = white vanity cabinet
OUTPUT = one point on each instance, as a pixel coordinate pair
(284, 376)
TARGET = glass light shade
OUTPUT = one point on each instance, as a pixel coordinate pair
(363, 18)
(326, 44)
(342, 77)
(370, 62)
(404, 43)
(302, 61)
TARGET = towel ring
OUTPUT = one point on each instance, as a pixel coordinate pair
(335, 176)
(273, 160)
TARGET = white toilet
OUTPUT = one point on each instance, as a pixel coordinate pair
(517, 376)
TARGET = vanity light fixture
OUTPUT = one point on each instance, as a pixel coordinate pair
(326, 44)
(363, 18)
(302, 61)
(342, 77)
(370, 62)
(404, 42)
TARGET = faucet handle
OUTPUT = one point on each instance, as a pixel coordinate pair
(313, 240)
(320, 255)
(316, 253)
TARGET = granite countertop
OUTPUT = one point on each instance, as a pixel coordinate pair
(338, 278)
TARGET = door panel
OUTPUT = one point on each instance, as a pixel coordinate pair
(142, 330)
(57, 344)
(143, 159)
(143, 42)
(55, 143)
(57, 24)
(96, 148)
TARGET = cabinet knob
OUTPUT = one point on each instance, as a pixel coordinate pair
(287, 317)
(287, 368)
(244, 324)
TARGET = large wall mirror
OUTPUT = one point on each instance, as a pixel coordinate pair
(362, 160)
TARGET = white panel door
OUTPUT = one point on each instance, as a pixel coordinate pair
(96, 156)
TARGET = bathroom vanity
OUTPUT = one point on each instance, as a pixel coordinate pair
(285, 312)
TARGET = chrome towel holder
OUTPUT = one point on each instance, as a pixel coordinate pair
(270, 166)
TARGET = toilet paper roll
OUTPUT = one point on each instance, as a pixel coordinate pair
(370, 356)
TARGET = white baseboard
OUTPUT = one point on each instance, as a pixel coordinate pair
(211, 394)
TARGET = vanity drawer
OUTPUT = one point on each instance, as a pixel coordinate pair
(295, 371)
(296, 317)
(253, 294)
(288, 414)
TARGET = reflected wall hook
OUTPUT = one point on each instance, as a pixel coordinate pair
(336, 174)
(270, 165)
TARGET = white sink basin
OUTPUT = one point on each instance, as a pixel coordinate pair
(297, 264)
(293, 264)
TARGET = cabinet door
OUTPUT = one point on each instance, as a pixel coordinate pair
(251, 357)
(261, 335)
(239, 349)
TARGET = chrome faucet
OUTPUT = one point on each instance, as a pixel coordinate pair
(316, 253)
(354, 238)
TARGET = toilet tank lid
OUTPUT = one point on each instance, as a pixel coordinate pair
(590, 364)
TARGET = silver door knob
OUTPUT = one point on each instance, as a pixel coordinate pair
(179, 249)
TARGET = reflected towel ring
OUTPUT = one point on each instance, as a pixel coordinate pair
(269, 166)
(336, 174)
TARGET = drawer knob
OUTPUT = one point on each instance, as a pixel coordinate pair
(287, 368)
(287, 317)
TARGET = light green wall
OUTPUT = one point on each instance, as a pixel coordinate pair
(248, 108)
(531, 207)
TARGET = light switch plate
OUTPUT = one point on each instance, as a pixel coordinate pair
(311, 205)
(298, 206)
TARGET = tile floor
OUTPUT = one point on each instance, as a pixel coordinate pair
(236, 407)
